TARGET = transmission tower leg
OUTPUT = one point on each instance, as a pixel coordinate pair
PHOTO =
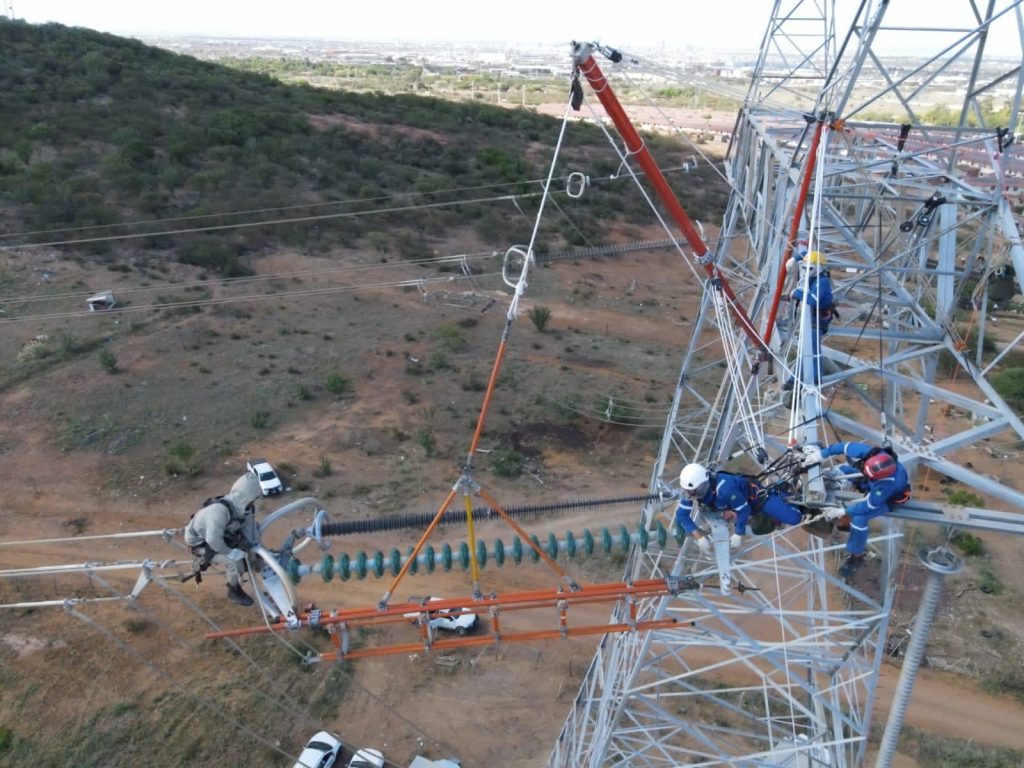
(940, 562)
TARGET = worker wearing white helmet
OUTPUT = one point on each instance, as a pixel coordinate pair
(216, 534)
(737, 497)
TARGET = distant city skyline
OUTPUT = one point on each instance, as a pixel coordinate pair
(718, 25)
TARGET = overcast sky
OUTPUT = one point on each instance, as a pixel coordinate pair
(615, 23)
(715, 24)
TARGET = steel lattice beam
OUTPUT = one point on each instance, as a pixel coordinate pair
(918, 222)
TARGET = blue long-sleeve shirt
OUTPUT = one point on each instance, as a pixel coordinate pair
(818, 296)
(880, 493)
(724, 492)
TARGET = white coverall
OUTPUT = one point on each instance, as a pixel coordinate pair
(215, 521)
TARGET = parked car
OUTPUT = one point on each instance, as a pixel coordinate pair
(457, 620)
(367, 758)
(320, 751)
(270, 483)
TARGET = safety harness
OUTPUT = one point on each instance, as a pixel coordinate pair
(203, 553)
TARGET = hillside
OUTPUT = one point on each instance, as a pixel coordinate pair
(100, 130)
(349, 351)
(352, 352)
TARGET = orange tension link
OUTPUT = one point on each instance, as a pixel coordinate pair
(419, 544)
(794, 228)
(522, 534)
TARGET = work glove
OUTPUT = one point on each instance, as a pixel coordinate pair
(705, 545)
(834, 513)
(735, 541)
(236, 555)
(812, 455)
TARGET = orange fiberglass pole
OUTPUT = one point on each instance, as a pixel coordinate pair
(588, 68)
(488, 395)
(794, 227)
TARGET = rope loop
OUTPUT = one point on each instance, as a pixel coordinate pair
(512, 265)
(580, 181)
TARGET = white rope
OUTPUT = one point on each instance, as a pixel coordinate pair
(520, 287)
(804, 329)
(785, 645)
(624, 162)
(733, 350)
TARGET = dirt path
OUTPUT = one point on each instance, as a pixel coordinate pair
(954, 708)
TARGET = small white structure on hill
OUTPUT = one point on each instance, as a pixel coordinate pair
(102, 300)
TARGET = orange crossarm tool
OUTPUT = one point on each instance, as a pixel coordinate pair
(511, 637)
(539, 598)
(588, 68)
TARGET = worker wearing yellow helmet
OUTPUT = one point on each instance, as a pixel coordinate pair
(815, 289)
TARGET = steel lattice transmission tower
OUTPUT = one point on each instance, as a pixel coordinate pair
(915, 195)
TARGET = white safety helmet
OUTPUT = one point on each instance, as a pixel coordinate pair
(694, 480)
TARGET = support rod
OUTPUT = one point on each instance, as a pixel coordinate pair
(940, 562)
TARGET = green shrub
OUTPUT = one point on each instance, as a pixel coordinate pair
(969, 544)
(183, 459)
(929, 749)
(139, 626)
(6, 738)
(567, 407)
(439, 361)
(108, 361)
(425, 437)
(961, 497)
(338, 385)
(325, 469)
(451, 338)
(539, 316)
(260, 419)
(1010, 386)
(988, 582)
(507, 462)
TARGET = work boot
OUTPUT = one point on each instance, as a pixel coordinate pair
(237, 595)
(787, 385)
(851, 565)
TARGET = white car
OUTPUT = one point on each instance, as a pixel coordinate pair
(367, 758)
(320, 751)
(459, 621)
(270, 483)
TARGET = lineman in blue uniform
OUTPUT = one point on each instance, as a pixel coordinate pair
(875, 472)
(820, 306)
(735, 496)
